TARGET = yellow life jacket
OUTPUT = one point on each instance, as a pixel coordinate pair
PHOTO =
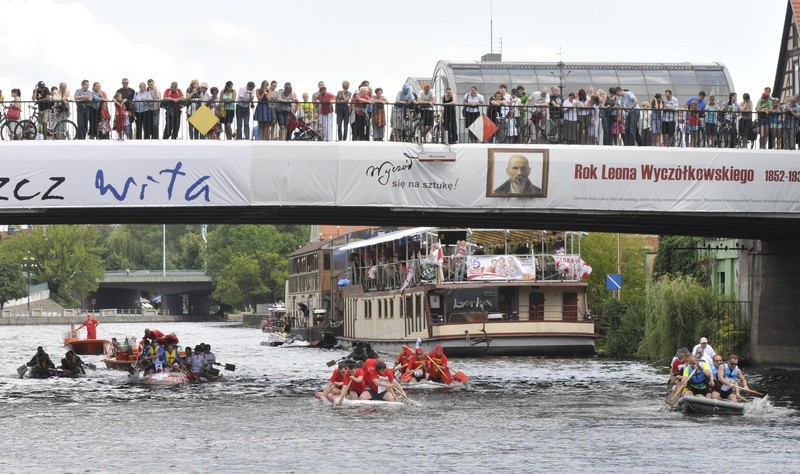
(171, 356)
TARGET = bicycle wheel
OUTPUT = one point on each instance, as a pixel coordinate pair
(502, 132)
(65, 130)
(27, 130)
(526, 132)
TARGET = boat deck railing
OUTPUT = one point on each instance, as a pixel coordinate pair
(471, 269)
(542, 312)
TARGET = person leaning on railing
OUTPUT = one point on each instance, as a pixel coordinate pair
(472, 109)
(83, 97)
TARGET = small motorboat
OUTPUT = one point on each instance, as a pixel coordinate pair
(295, 340)
(708, 406)
(122, 361)
(274, 339)
(429, 386)
(332, 399)
(160, 379)
(87, 346)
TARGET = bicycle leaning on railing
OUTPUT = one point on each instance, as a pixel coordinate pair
(54, 127)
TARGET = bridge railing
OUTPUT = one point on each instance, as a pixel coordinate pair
(542, 312)
(456, 270)
(723, 127)
(22, 312)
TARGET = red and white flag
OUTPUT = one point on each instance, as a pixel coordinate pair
(409, 277)
(482, 128)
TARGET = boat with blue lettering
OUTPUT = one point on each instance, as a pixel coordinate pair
(475, 292)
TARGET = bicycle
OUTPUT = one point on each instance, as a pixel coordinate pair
(412, 125)
(55, 128)
(11, 129)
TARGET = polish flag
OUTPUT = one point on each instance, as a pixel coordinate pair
(482, 128)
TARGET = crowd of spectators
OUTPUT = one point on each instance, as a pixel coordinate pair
(549, 115)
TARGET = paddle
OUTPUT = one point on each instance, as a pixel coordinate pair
(459, 376)
(759, 394)
(331, 363)
(403, 395)
(671, 399)
(343, 393)
(231, 367)
(90, 365)
(21, 371)
(407, 376)
(448, 379)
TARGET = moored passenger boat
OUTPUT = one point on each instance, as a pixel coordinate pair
(475, 292)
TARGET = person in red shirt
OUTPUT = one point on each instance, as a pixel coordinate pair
(401, 362)
(677, 365)
(380, 383)
(437, 358)
(358, 383)
(172, 102)
(338, 380)
(418, 366)
(91, 327)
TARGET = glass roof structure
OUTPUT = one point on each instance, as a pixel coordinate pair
(643, 79)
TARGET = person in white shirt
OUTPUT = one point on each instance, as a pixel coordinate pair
(244, 102)
(701, 355)
(707, 349)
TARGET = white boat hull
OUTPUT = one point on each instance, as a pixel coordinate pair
(427, 385)
(334, 400)
(512, 345)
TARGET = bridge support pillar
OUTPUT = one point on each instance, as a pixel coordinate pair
(199, 303)
(172, 303)
(770, 275)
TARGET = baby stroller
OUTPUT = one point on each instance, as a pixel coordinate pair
(299, 130)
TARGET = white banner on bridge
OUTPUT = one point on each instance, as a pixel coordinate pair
(518, 178)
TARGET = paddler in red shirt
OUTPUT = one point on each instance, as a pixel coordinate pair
(380, 382)
(357, 382)
(418, 366)
(437, 357)
(337, 381)
(401, 362)
(91, 327)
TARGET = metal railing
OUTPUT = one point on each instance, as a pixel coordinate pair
(448, 124)
(453, 270)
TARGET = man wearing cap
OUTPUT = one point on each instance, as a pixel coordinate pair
(707, 349)
(417, 366)
(437, 360)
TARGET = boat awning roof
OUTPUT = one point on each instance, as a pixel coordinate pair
(398, 234)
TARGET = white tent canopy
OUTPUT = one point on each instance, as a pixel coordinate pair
(399, 234)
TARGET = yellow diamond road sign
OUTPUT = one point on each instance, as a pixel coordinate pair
(203, 119)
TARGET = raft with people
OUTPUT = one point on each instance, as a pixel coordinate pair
(91, 345)
(700, 382)
(347, 402)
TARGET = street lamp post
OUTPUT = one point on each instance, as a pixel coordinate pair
(29, 263)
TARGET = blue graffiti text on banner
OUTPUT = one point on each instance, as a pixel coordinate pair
(198, 189)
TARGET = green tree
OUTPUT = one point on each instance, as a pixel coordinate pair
(12, 282)
(678, 310)
(600, 251)
(141, 247)
(679, 255)
(251, 260)
(67, 257)
(626, 326)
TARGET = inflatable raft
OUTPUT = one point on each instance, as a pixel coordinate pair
(334, 400)
(708, 406)
(160, 379)
(427, 385)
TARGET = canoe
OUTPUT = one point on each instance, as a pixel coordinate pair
(708, 406)
(427, 385)
(334, 400)
(87, 346)
(160, 379)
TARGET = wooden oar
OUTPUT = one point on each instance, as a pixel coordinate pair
(448, 379)
(91, 366)
(406, 376)
(21, 371)
(759, 394)
(343, 393)
(231, 367)
(405, 397)
(671, 399)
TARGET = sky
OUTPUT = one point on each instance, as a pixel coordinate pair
(385, 42)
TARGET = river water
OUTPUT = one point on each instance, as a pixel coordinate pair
(517, 415)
